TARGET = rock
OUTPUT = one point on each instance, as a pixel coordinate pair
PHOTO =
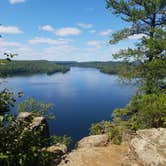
(127, 136)
(110, 155)
(57, 149)
(93, 141)
(38, 122)
(34, 123)
(145, 148)
(149, 147)
(24, 116)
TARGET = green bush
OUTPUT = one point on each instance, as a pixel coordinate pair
(22, 146)
(106, 127)
(144, 111)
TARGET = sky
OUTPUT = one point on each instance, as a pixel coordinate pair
(60, 30)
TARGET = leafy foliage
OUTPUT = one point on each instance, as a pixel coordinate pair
(36, 108)
(145, 111)
(148, 19)
(7, 100)
(21, 145)
(66, 140)
(106, 127)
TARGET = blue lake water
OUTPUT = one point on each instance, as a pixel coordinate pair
(81, 96)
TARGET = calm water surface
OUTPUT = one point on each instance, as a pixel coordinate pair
(82, 96)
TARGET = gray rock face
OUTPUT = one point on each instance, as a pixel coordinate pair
(57, 149)
(24, 116)
(93, 141)
(37, 122)
(149, 147)
(34, 123)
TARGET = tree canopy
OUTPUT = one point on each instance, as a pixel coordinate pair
(148, 19)
(146, 63)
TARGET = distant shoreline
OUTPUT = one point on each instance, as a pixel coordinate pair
(30, 67)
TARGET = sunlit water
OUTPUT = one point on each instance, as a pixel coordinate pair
(81, 96)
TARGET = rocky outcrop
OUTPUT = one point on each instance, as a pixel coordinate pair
(57, 151)
(34, 123)
(40, 125)
(149, 147)
(38, 122)
(93, 141)
(145, 148)
(95, 151)
(110, 155)
(24, 116)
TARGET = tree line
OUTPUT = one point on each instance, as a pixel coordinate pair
(31, 67)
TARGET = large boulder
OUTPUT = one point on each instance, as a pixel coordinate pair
(93, 141)
(149, 147)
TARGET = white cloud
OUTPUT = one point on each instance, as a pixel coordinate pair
(94, 43)
(106, 32)
(48, 28)
(10, 30)
(137, 36)
(85, 26)
(16, 1)
(41, 40)
(66, 31)
(92, 31)
(95, 50)
(4, 43)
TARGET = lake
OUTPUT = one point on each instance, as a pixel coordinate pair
(81, 96)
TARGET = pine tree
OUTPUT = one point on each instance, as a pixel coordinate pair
(148, 59)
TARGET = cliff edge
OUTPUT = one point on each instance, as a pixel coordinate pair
(146, 148)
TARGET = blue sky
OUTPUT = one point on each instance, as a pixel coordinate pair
(59, 30)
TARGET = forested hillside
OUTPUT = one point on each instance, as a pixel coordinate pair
(31, 67)
(109, 67)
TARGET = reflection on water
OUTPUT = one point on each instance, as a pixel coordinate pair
(82, 96)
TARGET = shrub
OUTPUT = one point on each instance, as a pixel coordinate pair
(144, 111)
(22, 146)
(106, 127)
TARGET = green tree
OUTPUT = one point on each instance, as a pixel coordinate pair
(147, 18)
(22, 146)
(145, 62)
(7, 98)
